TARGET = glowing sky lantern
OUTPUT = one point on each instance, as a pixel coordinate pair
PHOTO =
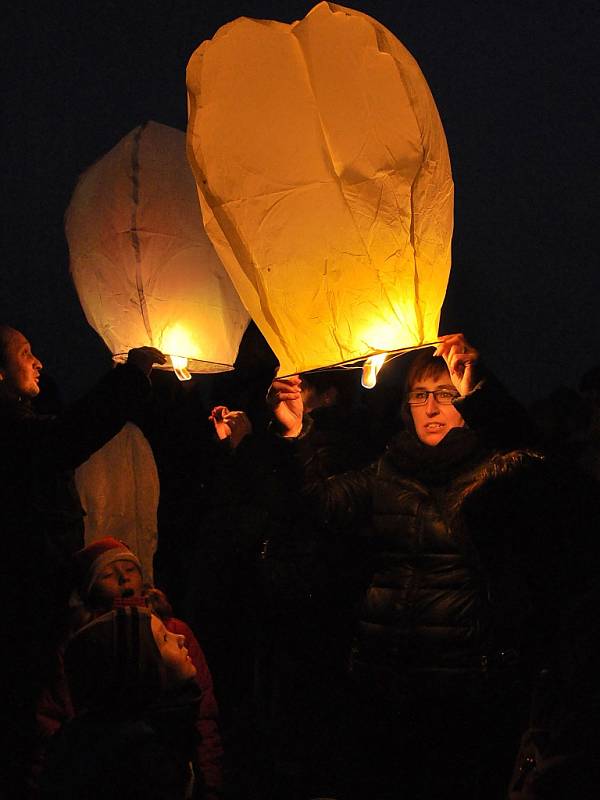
(325, 184)
(143, 266)
(119, 489)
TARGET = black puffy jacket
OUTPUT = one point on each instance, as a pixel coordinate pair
(434, 601)
(446, 588)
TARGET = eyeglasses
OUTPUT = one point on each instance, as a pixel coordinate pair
(420, 396)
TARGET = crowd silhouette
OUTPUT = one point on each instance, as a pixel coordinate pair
(386, 594)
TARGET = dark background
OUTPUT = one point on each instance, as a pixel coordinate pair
(516, 84)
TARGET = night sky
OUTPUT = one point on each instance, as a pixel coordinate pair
(516, 84)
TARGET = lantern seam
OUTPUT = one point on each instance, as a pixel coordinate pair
(135, 241)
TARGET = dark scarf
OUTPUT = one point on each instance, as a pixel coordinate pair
(459, 451)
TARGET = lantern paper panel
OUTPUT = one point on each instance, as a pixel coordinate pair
(145, 271)
(325, 184)
(119, 489)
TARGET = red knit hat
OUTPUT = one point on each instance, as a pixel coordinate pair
(91, 560)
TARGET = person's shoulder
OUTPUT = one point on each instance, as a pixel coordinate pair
(15, 411)
(21, 427)
(503, 468)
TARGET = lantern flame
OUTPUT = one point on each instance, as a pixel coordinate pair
(370, 369)
(180, 367)
(176, 340)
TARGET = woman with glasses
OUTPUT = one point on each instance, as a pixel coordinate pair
(447, 601)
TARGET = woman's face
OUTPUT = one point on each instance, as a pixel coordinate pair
(433, 419)
(173, 651)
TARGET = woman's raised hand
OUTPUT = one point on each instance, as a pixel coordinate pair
(286, 403)
(461, 359)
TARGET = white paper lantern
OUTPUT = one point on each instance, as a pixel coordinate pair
(145, 271)
(119, 489)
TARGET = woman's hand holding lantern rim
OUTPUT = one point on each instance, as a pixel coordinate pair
(144, 358)
(285, 399)
(461, 359)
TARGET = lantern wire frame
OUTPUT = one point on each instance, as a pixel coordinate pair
(358, 363)
(194, 365)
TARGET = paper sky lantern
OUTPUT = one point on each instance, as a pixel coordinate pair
(325, 184)
(119, 489)
(143, 266)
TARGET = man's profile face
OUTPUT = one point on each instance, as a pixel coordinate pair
(21, 371)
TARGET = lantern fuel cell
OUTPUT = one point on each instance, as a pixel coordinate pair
(370, 370)
(144, 269)
(325, 184)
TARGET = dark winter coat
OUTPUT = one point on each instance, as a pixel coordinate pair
(300, 569)
(114, 753)
(446, 589)
(430, 603)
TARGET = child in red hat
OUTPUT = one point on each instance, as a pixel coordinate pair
(107, 574)
(104, 572)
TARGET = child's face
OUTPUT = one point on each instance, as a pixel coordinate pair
(119, 579)
(174, 653)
